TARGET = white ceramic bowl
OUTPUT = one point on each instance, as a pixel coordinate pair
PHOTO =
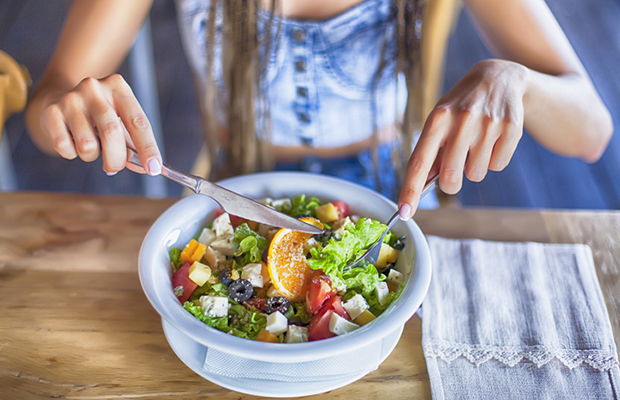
(184, 219)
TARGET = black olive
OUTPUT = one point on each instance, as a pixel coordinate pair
(225, 277)
(277, 303)
(295, 321)
(323, 237)
(240, 290)
(399, 244)
(386, 270)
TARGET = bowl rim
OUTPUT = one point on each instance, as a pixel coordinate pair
(172, 311)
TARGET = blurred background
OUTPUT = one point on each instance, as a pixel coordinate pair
(535, 177)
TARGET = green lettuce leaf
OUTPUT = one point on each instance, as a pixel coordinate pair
(246, 323)
(373, 300)
(299, 312)
(243, 323)
(219, 289)
(174, 254)
(220, 323)
(362, 280)
(333, 257)
(302, 206)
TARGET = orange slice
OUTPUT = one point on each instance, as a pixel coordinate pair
(287, 264)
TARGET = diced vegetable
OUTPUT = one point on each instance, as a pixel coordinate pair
(319, 291)
(188, 251)
(183, 286)
(327, 213)
(364, 318)
(343, 208)
(265, 336)
(199, 273)
(387, 254)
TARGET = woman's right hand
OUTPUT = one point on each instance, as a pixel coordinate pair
(101, 116)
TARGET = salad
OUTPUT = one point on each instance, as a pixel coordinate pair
(276, 285)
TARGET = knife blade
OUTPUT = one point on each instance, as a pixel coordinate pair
(231, 202)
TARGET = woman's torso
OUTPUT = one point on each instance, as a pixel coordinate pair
(320, 77)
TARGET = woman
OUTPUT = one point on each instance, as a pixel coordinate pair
(271, 93)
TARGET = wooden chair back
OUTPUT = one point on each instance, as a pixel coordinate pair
(14, 87)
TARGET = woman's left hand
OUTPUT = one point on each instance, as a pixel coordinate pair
(474, 127)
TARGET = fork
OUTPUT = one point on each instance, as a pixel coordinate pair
(372, 254)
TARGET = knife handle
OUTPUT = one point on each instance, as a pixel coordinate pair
(188, 180)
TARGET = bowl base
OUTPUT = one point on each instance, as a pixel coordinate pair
(193, 355)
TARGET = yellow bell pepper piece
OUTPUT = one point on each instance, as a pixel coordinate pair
(188, 251)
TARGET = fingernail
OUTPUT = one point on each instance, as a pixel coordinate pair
(405, 212)
(111, 173)
(154, 166)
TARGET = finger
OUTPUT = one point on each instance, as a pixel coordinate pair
(505, 147)
(53, 122)
(111, 133)
(457, 148)
(480, 152)
(421, 162)
(137, 125)
(81, 128)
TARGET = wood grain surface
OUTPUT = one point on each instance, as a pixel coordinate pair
(75, 324)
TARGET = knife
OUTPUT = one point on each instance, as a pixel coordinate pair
(231, 202)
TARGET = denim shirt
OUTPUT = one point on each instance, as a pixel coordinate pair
(320, 82)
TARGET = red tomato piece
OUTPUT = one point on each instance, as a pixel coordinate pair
(318, 328)
(255, 302)
(334, 303)
(181, 279)
(319, 324)
(319, 291)
(343, 208)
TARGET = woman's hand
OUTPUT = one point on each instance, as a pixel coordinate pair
(475, 127)
(74, 116)
(101, 116)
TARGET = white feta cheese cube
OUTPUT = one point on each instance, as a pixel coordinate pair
(223, 245)
(310, 244)
(272, 291)
(340, 326)
(206, 237)
(395, 277)
(276, 323)
(339, 227)
(382, 292)
(296, 334)
(214, 258)
(355, 306)
(278, 204)
(253, 273)
(222, 226)
(263, 229)
(214, 306)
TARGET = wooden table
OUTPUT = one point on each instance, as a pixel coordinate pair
(75, 324)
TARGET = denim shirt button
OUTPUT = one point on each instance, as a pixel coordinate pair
(304, 117)
(300, 65)
(299, 35)
(302, 92)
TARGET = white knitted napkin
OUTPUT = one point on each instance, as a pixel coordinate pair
(517, 321)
